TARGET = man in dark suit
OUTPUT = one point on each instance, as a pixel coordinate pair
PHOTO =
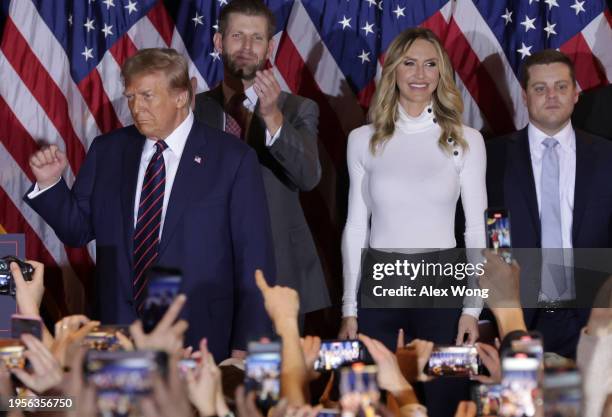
(592, 112)
(282, 128)
(171, 192)
(555, 182)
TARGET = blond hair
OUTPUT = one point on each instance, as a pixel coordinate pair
(165, 60)
(447, 102)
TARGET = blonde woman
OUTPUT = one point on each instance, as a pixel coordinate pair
(408, 168)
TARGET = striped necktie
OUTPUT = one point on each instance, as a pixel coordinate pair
(147, 229)
(235, 117)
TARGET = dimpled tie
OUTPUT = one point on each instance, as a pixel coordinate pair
(553, 277)
(146, 231)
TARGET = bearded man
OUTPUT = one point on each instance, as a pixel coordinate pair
(282, 128)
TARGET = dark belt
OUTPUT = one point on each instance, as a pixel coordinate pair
(552, 306)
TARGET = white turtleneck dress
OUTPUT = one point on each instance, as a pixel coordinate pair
(405, 196)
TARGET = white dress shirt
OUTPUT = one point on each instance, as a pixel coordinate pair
(250, 102)
(172, 156)
(566, 152)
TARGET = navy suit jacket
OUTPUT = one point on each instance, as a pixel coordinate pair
(216, 230)
(510, 184)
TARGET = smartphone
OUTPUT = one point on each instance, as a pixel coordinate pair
(121, 378)
(186, 364)
(329, 412)
(520, 384)
(497, 222)
(487, 398)
(124, 372)
(262, 372)
(359, 389)
(12, 353)
(562, 392)
(453, 361)
(336, 353)
(25, 325)
(164, 285)
(104, 337)
(531, 343)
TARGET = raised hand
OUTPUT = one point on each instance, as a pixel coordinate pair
(46, 370)
(282, 303)
(29, 294)
(268, 90)
(168, 334)
(47, 165)
(348, 328)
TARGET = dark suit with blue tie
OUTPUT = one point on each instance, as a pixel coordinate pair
(510, 184)
(216, 230)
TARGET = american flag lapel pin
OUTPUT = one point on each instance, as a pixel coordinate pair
(197, 159)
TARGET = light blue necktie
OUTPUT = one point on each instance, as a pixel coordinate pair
(550, 206)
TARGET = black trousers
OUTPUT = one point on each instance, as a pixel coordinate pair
(560, 329)
(441, 395)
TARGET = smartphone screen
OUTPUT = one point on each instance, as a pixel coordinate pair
(187, 364)
(487, 399)
(453, 361)
(520, 385)
(120, 378)
(359, 391)
(562, 392)
(329, 412)
(124, 372)
(497, 223)
(12, 353)
(25, 325)
(531, 343)
(336, 353)
(104, 337)
(262, 372)
(164, 285)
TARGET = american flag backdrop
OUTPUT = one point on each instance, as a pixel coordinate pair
(60, 83)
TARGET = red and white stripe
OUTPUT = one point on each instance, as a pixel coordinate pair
(479, 60)
(45, 47)
(598, 37)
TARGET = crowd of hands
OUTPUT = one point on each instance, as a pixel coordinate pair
(56, 361)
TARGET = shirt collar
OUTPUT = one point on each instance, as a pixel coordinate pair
(177, 139)
(410, 124)
(565, 137)
(251, 97)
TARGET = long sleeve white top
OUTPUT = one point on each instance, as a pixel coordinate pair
(594, 359)
(405, 196)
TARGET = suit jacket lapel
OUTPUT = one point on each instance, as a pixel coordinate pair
(187, 177)
(256, 136)
(131, 164)
(585, 157)
(523, 173)
(212, 114)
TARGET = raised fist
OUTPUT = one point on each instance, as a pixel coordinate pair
(48, 164)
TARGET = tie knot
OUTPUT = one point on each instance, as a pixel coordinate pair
(550, 142)
(160, 146)
(235, 102)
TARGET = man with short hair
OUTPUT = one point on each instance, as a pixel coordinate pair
(555, 183)
(170, 192)
(282, 128)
